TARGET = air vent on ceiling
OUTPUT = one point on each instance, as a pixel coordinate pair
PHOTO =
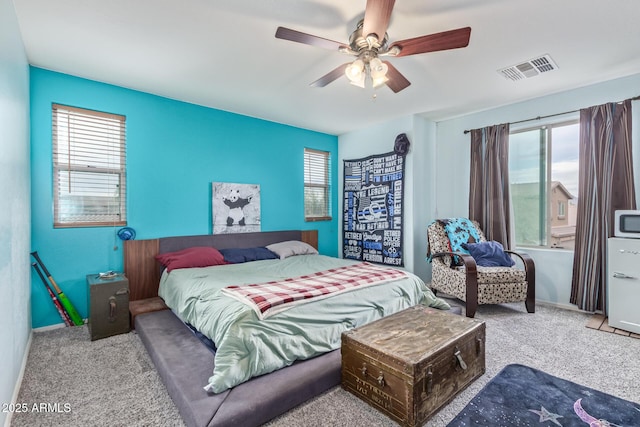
(530, 68)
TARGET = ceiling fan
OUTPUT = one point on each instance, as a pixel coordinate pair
(369, 42)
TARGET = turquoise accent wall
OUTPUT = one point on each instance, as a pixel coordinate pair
(175, 150)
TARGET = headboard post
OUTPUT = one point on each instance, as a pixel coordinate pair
(310, 237)
(141, 268)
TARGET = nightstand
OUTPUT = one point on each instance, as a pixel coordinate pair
(108, 305)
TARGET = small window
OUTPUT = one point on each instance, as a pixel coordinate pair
(561, 210)
(316, 185)
(89, 168)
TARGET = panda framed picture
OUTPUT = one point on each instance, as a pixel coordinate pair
(235, 207)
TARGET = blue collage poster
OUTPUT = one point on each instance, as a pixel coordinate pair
(372, 209)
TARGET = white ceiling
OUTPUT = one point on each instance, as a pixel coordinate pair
(223, 53)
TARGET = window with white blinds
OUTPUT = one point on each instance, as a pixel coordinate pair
(317, 192)
(89, 168)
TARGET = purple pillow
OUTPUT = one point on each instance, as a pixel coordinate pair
(489, 254)
(237, 256)
(197, 256)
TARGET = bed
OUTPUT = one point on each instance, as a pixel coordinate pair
(187, 366)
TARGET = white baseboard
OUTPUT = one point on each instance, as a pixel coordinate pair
(541, 302)
(564, 306)
(16, 389)
(50, 327)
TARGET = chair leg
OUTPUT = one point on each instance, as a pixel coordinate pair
(470, 308)
(530, 268)
(530, 303)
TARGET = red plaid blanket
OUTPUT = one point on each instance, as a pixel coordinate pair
(270, 298)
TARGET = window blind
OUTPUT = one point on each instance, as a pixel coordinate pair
(89, 168)
(316, 185)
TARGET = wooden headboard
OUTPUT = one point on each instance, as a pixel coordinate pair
(143, 271)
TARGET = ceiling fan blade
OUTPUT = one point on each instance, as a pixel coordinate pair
(446, 40)
(376, 17)
(304, 38)
(396, 81)
(331, 76)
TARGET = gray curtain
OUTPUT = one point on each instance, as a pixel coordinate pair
(489, 196)
(606, 185)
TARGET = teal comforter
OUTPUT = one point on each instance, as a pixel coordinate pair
(247, 346)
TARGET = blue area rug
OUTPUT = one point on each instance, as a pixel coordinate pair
(523, 396)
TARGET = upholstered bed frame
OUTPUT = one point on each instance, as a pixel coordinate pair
(185, 363)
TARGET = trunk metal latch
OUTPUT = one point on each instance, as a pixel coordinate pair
(460, 360)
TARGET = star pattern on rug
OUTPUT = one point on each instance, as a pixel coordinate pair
(547, 416)
(587, 393)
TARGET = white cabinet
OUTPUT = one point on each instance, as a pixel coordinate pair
(623, 273)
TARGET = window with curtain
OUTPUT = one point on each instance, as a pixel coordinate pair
(543, 174)
(89, 168)
(317, 191)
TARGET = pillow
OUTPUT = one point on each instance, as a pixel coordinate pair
(236, 256)
(489, 254)
(291, 248)
(197, 256)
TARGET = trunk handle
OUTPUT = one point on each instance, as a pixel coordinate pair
(459, 359)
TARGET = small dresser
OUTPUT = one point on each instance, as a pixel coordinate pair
(108, 305)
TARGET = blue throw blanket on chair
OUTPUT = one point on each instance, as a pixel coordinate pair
(459, 231)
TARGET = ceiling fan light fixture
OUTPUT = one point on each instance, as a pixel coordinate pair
(370, 41)
(378, 68)
(360, 82)
(379, 81)
(378, 71)
(355, 71)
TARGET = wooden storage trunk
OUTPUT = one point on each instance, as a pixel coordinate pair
(408, 365)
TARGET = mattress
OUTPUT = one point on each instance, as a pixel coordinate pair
(249, 346)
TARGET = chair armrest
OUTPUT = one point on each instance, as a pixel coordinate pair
(452, 254)
(469, 262)
(471, 279)
(530, 274)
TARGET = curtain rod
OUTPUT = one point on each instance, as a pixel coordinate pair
(635, 98)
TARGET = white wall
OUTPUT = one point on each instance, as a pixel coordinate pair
(419, 186)
(553, 267)
(424, 186)
(437, 169)
(15, 214)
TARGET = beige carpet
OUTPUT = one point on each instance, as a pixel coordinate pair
(112, 382)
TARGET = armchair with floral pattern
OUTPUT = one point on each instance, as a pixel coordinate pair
(456, 273)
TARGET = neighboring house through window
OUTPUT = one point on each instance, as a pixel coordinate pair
(543, 170)
(89, 168)
(317, 192)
